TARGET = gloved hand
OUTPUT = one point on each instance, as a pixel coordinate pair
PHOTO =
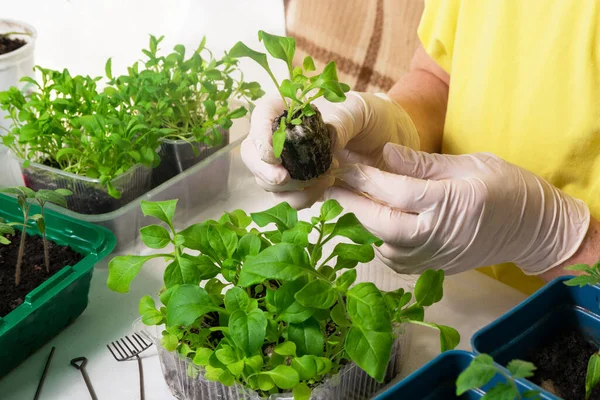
(359, 127)
(462, 212)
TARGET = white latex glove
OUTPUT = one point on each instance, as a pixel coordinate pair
(359, 127)
(462, 212)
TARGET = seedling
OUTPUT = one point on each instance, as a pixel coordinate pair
(183, 98)
(289, 316)
(591, 276)
(67, 123)
(7, 34)
(24, 195)
(300, 137)
(482, 369)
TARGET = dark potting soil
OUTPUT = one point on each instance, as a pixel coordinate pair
(97, 200)
(33, 269)
(562, 364)
(307, 148)
(7, 44)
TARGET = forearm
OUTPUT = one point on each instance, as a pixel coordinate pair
(423, 93)
(588, 253)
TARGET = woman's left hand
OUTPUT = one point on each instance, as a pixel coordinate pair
(461, 212)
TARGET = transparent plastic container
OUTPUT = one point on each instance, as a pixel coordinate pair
(89, 195)
(187, 382)
(177, 156)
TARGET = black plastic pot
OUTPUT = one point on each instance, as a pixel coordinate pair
(177, 156)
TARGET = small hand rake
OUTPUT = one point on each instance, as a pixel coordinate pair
(126, 348)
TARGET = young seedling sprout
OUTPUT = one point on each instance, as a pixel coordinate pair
(300, 136)
(482, 369)
(23, 195)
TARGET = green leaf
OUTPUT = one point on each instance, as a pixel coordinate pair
(279, 137)
(521, 369)
(241, 50)
(122, 270)
(222, 240)
(162, 210)
(307, 336)
(282, 215)
(345, 280)
(169, 341)
(502, 391)
(248, 330)
(298, 234)
(196, 238)
(330, 209)
(202, 356)
(288, 308)
(338, 315)
(240, 219)
(282, 261)
(206, 267)
(370, 350)
(290, 89)
(108, 68)
(415, 312)
(478, 373)
(308, 64)
(579, 267)
(210, 107)
(429, 288)
(249, 245)
(355, 252)
(317, 294)
(367, 308)
(449, 337)
(187, 304)
(280, 47)
(255, 362)
(56, 197)
(531, 394)
(155, 236)
(301, 392)
(236, 299)
(286, 349)
(150, 315)
(285, 377)
(236, 368)
(582, 281)
(349, 226)
(592, 376)
(306, 367)
(226, 355)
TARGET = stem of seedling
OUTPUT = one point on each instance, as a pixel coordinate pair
(45, 241)
(14, 33)
(21, 247)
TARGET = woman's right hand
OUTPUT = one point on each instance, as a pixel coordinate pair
(359, 128)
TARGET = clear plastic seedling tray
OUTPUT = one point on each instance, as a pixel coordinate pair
(186, 380)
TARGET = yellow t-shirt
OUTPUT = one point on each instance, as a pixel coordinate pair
(524, 85)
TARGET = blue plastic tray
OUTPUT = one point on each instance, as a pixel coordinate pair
(436, 380)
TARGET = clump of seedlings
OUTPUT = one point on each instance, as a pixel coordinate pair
(300, 136)
(263, 307)
(482, 370)
(24, 196)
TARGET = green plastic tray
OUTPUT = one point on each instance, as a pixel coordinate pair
(57, 302)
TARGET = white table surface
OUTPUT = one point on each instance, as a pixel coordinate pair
(81, 34)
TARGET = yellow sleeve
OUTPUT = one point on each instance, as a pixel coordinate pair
(437, 30)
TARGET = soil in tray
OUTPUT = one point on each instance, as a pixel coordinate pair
(562, 364)
(33, 269)
(7, 44)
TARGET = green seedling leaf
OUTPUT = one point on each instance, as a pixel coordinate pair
(367, 308)
(187, 304)
(248, 330)
(241, 50)
(355, 252)
(370, 350)
(236, 368)
(290, 89)
(240, 219)
(155, 236)
(202, 356)
(280, 47)
(169, 341)
(350, 227)
(301, 392)
(502, 391)
(226, 355)
(196, 238)
(108, 68)
(236, 299)
(345, 280)
(317, 294)
(249, 245)
(583, 280)
(286, 349)
(521, 369)
(122, 270)
(285, 377)
(298, 234)
(306, 367)
(150, 315)
(429, 288)
(55, 197)
(222, 240)
(255, 362)
(592, 376)
(330, 209)
(307, 337)
(478, 373)
(288, 308)
(282, 261)
(308, 64)
(162, 210)
(279, 139)
(282, 215)
(415, 312)
(339, 316)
